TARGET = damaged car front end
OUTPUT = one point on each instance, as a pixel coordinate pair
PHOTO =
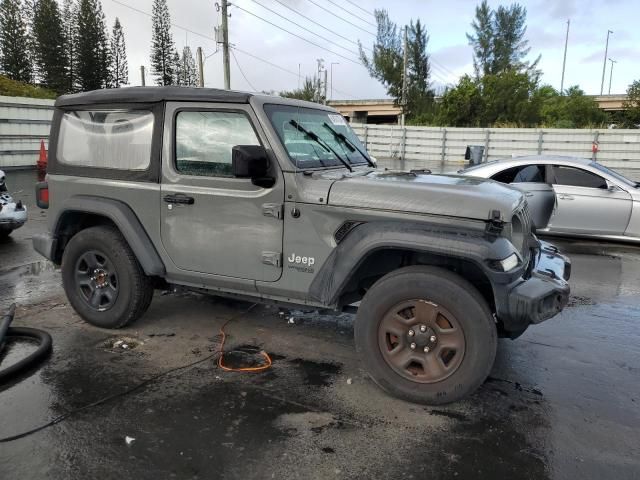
(13, 215)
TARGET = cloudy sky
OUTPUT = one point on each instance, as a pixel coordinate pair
(278, 56)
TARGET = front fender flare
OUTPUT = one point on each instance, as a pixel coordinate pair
(444, 241)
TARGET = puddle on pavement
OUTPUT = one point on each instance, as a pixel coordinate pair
(121, 344)
(244, 356)
(319, 374)
(29, 284)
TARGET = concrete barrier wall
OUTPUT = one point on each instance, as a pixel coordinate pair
(24, 122)
(443, 148)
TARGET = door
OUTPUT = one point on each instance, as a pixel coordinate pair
(588, 204)
(531, 180)
(211, 222)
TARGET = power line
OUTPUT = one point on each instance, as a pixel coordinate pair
(305, 29)
(275, 65)
(352, 14)
(298, 36)
(243, 75)
(173, 24)
(319, 24)
(360, 8)
(342, 18)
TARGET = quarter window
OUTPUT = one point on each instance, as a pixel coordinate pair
(106, 139)
(577, 177)
(204, 141)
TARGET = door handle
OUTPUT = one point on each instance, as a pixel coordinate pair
(564, 196)
(180, 199)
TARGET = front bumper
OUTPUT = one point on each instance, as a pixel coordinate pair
(12, 217)
(541, 294)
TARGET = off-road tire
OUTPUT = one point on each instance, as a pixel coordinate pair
(451, 292)
(135, 290)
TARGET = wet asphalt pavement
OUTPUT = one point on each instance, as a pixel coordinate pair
(562, 401)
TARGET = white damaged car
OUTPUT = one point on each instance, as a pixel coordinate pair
(12, 214)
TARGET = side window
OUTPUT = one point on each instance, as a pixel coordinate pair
(204, 141)
(577, 177)
(106, 139)
(528, 173)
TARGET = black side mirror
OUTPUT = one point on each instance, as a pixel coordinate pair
(249, 161)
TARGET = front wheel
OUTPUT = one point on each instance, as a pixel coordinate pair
(426, 335)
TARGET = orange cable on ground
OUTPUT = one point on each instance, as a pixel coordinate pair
(221, 364)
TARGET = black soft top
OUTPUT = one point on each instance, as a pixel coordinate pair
(152, 95)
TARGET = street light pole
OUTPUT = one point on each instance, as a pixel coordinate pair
(564, 61)
(604, 67)
(332, 64)
(611, 74)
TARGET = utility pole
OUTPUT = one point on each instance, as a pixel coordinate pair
(142, 76)
(325, 86)
(604, 66)
(318, 93)
(611, 74)
(225, 46)
(564, 61)
(332, 64)
(404, 77)
(200, 60)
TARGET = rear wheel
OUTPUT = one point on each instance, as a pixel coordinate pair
(426, 335)
(103, 280)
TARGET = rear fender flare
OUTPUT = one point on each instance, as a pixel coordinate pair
(125, 220)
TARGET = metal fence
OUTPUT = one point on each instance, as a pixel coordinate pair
(443, 149)
(24, 122)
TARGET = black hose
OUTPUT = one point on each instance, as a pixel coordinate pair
(6, 332)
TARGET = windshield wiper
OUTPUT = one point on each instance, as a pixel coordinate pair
(314, 136)
(350, 145)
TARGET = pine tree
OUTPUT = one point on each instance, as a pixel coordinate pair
(386, 63)
(482, 39)
(119, 64)
(188, 71)
(419, 95)
(177, 75)
(28, 14)
(163, 63)
(14, 54)
(92, 68)
(70, 30)
(498, 40)
(49, 52)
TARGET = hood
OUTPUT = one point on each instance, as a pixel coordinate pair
(450, 195)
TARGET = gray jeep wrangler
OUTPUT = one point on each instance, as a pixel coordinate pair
(275, 200)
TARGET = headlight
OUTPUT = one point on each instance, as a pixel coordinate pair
(506, 265)
(517, 233)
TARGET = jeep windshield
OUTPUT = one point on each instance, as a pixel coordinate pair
(306, 152)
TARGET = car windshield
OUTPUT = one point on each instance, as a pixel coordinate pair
(307, 152)
(614, 174)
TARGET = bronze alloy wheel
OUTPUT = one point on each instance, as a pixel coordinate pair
(421, 341)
